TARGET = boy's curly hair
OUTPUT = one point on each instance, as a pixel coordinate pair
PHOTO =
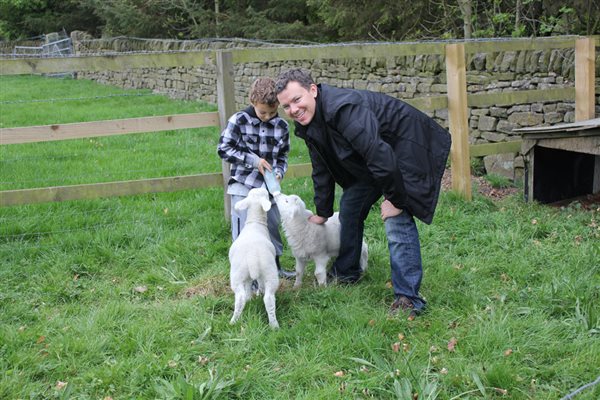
(262, 91)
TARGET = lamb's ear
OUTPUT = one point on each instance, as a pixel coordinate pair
(266, 204)
(242, 204)
(297, 206)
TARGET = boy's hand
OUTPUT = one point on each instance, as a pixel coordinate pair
(263, 165)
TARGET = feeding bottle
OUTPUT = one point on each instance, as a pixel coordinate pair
(272, 182)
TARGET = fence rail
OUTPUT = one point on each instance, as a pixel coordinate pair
(456, 102)
(45, 133)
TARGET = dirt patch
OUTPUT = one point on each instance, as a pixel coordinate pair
(483, 187)
(218, 286)
(590, 202)
(213, 286)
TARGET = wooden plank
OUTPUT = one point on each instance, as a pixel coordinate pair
(351, 51)
(429, 103)
(586, 144)
(486, 149)
(109, 62)
(299, 170)
(45, 133)
(585, 75)
(493, 46)
(458, 119)
(520, 97)
(226, 106)
(109, 189)
(124, 188)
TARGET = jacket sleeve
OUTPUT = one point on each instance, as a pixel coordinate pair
(282, 148)
(323, 182)
(360, 128)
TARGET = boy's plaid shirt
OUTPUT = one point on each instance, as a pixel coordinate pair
(247, 139)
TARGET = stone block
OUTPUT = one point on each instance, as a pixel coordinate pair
(493, 137)
(442, 113)
(498, 112)
(537, 107)
(480, 111)
(526, 118)
(474, 122)
(439, 88)
(553, 117)
(487, 123)
(509, 61)
(519, 108)
(500, 164)
(478, 79)
(506, 127)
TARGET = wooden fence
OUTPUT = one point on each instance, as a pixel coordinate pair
(456, 101)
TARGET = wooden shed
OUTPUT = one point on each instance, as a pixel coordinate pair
(561, 161)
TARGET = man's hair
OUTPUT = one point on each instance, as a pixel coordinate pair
(262, 91)
(293, 75)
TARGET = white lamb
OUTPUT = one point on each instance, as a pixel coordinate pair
(252, 257)
(310, 241)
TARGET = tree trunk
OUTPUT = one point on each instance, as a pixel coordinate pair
(466, 10)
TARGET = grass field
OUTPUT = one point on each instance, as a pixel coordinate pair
(128, 298)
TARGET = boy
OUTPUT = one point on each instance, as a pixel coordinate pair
(256, 140)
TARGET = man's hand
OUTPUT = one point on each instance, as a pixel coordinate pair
(315, 219)
(389, 210)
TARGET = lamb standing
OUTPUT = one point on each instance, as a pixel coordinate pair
(310, 241)
(252, 257)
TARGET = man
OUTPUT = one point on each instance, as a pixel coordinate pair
(372, 145)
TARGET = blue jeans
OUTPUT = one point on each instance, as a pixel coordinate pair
(402, 236)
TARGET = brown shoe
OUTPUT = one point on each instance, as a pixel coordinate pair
(404, 305)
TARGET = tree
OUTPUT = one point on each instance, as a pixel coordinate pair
(21, 19)
(466, 10)
(301, 20)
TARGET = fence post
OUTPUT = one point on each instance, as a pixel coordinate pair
(585, 76)
(226, 105)
(458, 119)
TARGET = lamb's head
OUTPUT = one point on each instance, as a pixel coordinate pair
(258, 197)
(290, 206)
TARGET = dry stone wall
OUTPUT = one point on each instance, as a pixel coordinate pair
(404, 77)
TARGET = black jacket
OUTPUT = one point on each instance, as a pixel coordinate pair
(359, 135)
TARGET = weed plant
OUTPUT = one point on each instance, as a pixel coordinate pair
(128, 297)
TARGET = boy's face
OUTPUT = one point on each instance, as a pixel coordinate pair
(264, 111)
(298, 102)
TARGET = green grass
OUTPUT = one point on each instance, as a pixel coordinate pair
(128, 298)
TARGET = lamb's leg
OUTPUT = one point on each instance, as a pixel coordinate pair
(321, 270)
(240, 302)
(269, 300)
(300, 265)
(364, 257)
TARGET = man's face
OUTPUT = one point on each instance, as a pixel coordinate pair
(299, 103)
(264, 111)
